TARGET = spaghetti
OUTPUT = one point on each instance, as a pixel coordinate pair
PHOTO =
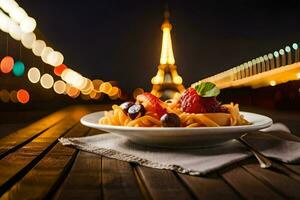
(117, 117)
(195, 107)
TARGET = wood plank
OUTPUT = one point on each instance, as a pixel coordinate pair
(295, 168)
(247, 185)
(94, 178)
(163, 184)
(47, 174)
(209, 187)
(283, 184)
(84, 179)
(281, 167)
(119, 181)
(18, 138)
(14, 165)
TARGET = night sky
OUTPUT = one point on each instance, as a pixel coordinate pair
(121, 40)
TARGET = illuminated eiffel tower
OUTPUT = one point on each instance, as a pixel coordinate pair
(167, 82)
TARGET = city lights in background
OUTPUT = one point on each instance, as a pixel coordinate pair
(7, 64)
(47, 81)
(34, 75)
(60, 87)
(21, 96)
(18, 68)
(15, 21)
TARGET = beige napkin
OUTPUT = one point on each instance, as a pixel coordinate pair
(189, 161)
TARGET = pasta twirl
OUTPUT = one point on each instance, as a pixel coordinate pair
(117, 117)
(195, 107)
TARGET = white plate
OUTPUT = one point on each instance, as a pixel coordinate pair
(180, 137)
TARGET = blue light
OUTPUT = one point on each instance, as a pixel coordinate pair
(19, 68)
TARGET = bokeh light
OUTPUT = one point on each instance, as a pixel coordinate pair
(96, 84)
(59, 87)
(28, 39)
(73, 92)
(114, 91)
(105, 87)
(47, 81)
(38, 47)
(28, 25)
(19, 68)
(93, 94)
(55, 58)
(34, 75)
(23, 96)
(59, 69)
(45, 53)
(8, 6)
(7, 64)
(4, 95)
(15, 30)
(88, 91)
(116, 96)
(18, 14)
(13, 96)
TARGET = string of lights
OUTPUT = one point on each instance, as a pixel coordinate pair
(21, 96)
(15, 21)
(269, 70)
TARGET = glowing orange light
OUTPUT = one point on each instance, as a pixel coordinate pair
(116, 96)
(7, 64)
(97, 84)
(114, 91)
(73, 92)
(59, 69)
(23, 96)
(88, 91)
(105, 87)
(93, 94)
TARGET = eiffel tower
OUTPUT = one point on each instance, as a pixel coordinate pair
(167, 82)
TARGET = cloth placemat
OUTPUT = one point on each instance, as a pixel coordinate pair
(189, 161)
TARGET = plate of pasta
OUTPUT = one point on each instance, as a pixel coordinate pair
(191, 119)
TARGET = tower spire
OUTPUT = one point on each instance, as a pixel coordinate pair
(167, 82)
(166, 56)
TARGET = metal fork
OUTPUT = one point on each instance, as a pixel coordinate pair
(263, 161)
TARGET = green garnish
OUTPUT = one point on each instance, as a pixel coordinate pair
(207, 89)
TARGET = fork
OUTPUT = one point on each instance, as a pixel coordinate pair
(263, 161)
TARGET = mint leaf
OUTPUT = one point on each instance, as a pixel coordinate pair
(207, 89)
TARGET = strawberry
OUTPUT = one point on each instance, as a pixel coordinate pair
(152, 104)
(190, 102)
(210, 104)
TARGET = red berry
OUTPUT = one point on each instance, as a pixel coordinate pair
(152, 103)
(211, 104)
(190, 102)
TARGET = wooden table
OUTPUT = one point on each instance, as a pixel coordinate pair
(34, 165)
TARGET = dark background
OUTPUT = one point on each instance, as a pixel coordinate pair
(121, 40)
